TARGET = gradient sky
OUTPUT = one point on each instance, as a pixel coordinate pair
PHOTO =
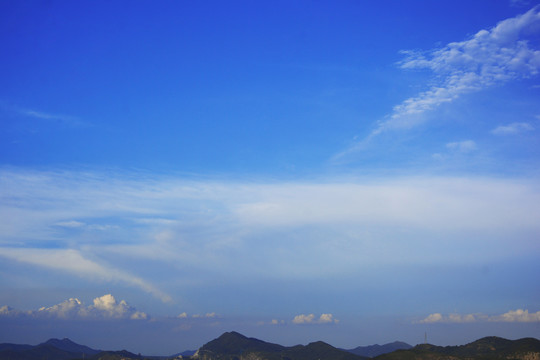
(355, 172)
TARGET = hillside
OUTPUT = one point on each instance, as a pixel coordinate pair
(486, 348)
(376, 350)
(235, 346)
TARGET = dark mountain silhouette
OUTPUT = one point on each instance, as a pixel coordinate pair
(39, 352)
(376, 350)
(68, 345)
(486, 348)
(235, 346)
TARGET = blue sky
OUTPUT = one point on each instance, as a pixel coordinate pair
(353, 172)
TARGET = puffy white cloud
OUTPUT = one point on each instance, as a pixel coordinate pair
(182, 315)
(104, 307)
(518, 315)
(310, 319)
(327, 318)
(432, 318)
(512, 129)
(491, 56)
(66, 309)
(107, 306)
(303, 319)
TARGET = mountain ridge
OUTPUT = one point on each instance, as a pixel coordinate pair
(235, 346)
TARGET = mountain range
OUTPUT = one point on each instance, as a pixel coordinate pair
(235, 346)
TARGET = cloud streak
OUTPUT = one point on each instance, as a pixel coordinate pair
(71, 261)
(512, 129)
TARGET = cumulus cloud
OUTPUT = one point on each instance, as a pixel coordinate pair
(490, 57)
(104, 307)
(512, 129)
(518, 315)
(310, 319)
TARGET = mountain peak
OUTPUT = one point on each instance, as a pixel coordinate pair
(68, 345)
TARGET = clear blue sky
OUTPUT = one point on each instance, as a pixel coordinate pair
(353, 172)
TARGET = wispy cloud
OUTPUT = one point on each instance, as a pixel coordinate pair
(65, 119)
(71, 261)
(518, 315)
(490, 57)
(465, 146)
(512, 129)
(335, 224)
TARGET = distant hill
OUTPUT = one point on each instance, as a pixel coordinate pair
(235, 346)
(53, 349)
(486, 348)
(70, 346)
(376, 350)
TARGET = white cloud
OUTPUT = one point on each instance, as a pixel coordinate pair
(465, 146)
(303, 319)
(338, 223)
(432, 318)
(490, 57)
(511, 316)
(104, 307)
(72, 261)
(182, 315)
(310, 319)
(67, 309)
(70, 224)
(518, 315)
(512, 129)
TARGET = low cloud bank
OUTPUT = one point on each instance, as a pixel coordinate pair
(518, 315)
(104, 307)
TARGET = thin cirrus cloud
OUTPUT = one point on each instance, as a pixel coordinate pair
(220, 221)
(465, 146)
(64, 119)
(72, 261)
(518, 315)
(512, 129)
(103, 307)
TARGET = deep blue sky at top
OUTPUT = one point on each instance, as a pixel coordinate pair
(255, 87)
